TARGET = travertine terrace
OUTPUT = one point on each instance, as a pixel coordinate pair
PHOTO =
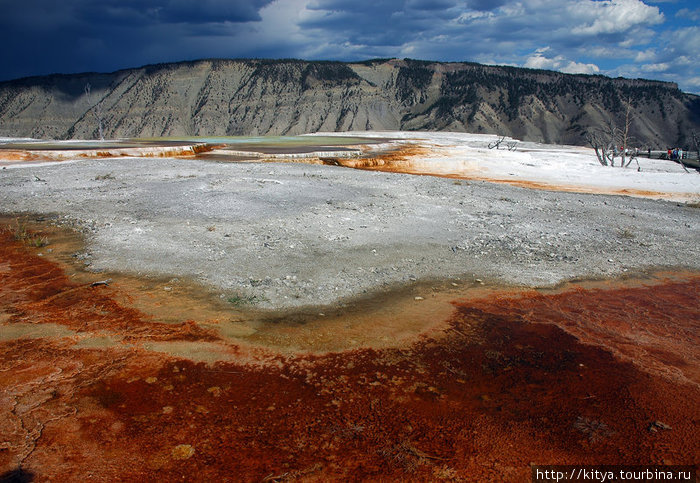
(218, 316)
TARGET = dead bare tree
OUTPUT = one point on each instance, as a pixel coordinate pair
(610, 142)
(602, 140)
(625, 134)
(510, 145)
(96, 110)
(497, 143)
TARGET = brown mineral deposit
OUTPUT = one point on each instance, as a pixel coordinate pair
(574, 375)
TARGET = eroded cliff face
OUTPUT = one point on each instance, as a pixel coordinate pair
(259, 97)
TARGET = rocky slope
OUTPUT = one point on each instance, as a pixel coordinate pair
(265, 97)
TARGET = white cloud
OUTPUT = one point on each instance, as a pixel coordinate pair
(686, 13)
(645, 56)
(559, 63)
(684, 41)
(616, 37)
(580, 68)
(680, 57)
(467, 17)
(684, 60)
(540, 62)
(661, 67)
(613, 16)
(607, 52)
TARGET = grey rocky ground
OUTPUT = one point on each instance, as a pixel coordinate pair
(288, 234)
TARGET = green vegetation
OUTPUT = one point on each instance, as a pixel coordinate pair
(21, 233)
(329, 74)
(38, 241)
(413, 80)
(294, 72)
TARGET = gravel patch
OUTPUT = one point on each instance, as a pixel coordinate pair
(286, 235)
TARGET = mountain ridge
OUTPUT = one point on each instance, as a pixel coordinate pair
(210, 97)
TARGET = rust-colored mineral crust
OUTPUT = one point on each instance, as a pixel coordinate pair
(584, 376)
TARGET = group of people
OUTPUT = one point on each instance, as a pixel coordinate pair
(676, 154)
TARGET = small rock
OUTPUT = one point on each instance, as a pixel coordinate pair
(182, 452)
(656, 425)
(418, 298)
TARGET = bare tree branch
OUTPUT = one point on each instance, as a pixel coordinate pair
(610, 142)
(497, 143)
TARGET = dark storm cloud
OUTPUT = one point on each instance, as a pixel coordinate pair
(165, 11)
(394, 23)
(211, 10)
(575, 36)
(378, 23)
(629, 37)
(46, 36)
(486, 5)
(430, 4)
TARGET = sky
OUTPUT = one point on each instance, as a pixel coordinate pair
(651, 39)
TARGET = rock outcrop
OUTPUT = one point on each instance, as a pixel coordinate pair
(284, 97)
